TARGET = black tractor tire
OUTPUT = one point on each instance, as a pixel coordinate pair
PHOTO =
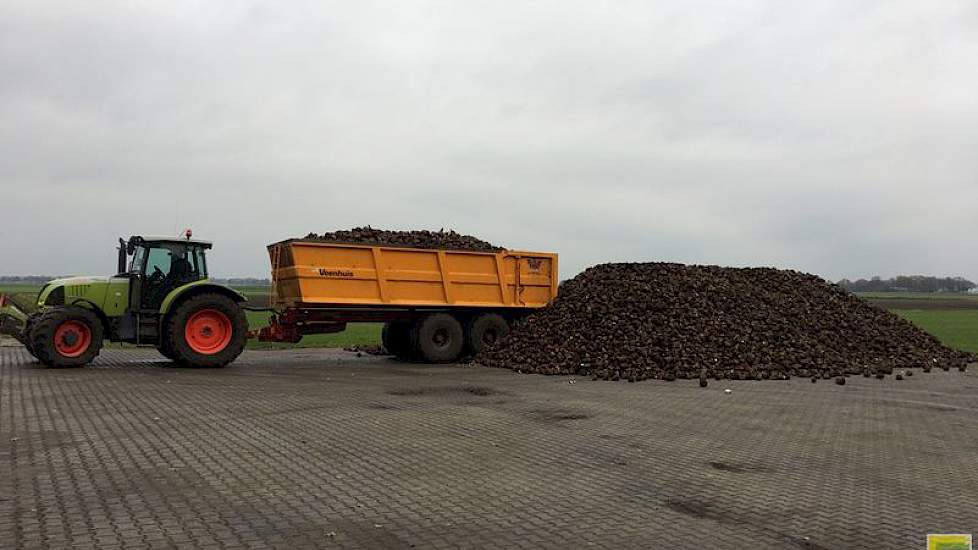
(8, 326)
(165, 349)
(439, 338)
(222, 333)
(396, 337)
(485, 330)
(26, 337)
(68, 336)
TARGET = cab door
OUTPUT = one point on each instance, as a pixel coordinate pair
(154, 277)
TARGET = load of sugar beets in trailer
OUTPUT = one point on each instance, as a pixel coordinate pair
(443, 295)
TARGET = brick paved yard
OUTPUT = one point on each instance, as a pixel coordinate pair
(320, 448)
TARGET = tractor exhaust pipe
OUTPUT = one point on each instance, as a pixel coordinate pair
(122, 256)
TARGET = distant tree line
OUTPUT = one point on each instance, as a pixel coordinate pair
(243, 281)
(909, 283)
(26, 279)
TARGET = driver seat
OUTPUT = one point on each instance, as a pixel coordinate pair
(180, 270)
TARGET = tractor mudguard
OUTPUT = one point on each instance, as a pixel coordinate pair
(204, 285)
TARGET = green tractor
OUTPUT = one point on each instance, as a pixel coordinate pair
(161, 297)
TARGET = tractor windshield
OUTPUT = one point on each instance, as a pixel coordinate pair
(200, 263)
(165, 266)
(177, 262)
(138, 260)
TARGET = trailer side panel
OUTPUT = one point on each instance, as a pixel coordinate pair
(311, 274)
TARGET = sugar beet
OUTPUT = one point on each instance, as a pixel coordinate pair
(667, 321)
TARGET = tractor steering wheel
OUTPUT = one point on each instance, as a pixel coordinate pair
(157, 276)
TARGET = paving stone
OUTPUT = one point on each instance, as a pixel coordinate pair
(315, 448)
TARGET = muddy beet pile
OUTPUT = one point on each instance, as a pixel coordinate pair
(656, 320)
(449, 240)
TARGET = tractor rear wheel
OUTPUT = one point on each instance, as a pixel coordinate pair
(66, 337)
(396, 337)
(206, 330)
(485, 330)
(439, 338)
(165, 349)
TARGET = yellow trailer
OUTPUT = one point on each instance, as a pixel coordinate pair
(308, 273)
(436, 304)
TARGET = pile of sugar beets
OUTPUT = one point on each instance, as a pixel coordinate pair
(449, 240)
(637, 321)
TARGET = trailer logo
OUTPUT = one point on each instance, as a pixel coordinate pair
(343, 273)
(534, 263)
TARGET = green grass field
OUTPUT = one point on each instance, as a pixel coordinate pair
(919, 296)
(356, 334)
(22, 294)
(256, 292)
(8, 288)
(955, 327)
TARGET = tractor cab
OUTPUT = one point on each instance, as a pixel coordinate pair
(159, 265)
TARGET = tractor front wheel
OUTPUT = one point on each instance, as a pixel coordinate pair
(207, 330)
(66, 337)
(25, 337)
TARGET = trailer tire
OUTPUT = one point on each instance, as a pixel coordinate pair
(485, 330)
(66, 337)
(396, 337)
(439, 338)
(206, 330)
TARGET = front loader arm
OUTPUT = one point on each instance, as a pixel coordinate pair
(13, 320)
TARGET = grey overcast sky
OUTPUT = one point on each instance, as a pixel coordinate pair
(835, 137)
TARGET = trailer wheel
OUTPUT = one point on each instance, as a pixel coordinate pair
(207, 330)
(439, 338)
(66, 337)
(396, 337)
(485, 330)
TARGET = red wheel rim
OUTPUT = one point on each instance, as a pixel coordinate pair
(208, 331)
(72, 338)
